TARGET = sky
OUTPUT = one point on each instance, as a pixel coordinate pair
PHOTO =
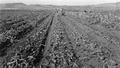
(60, 2)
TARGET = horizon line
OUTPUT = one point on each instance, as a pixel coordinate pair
(61, 5)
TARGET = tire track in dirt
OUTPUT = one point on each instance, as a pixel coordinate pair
(44, 40)
(58, 43)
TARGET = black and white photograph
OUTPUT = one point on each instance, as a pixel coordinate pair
(59, 33)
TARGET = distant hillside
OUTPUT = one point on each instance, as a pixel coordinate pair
(37, 6)
(12, 6)
(108, 6)
(23, 6)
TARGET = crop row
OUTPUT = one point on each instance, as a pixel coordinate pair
(32, 52)
(106, 49)
(17, 36)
